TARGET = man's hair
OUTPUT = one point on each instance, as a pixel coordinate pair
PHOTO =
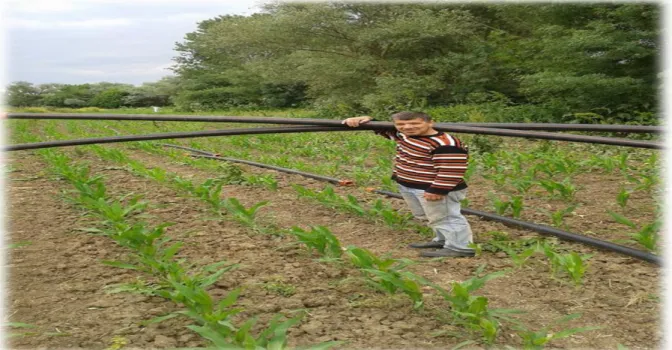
(408, 115)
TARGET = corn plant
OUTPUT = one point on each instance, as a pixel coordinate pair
(390, 216)
(386, 274)
(273, 337)
(522, 184)
(622, 197)
(112, 154)
(646, 180)
(564, 166)
(245, 216)
(330, 199)
(516, 206)
(230, 174)
(115, 211)
(159, 175)
(518, 257)
(566, 190)
(498, 178)
(536, 340)
(472, 311)
(21, 325)
(320, 239)
(647, 235)
(573, 264)
(558, 216)
(265, 180)
(210, 192)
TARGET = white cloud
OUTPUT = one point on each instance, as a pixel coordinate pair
(39, 6)
(139, 69)
(88, 72)
(50, 6)
(89, 23)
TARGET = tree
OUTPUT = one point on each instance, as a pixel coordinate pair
(111, 98)
(22, 94)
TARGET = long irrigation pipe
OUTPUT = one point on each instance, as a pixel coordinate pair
(307, 121)
(388, 125)
(568, 236)
(208, 155)
(170, 135)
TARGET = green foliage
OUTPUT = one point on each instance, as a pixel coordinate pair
(647, 235)
(112, 98)
(246, 216)
(573, 264)
(470, 310)
(320, 239)
(537, 340)
(386, 274)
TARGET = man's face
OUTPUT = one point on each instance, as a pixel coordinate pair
(414, 127)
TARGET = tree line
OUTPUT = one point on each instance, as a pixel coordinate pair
(552, 62)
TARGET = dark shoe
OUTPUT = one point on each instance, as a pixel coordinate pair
(446, 253)
(435, 244)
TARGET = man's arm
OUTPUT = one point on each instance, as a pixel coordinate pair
(451, 163)
(357, 121)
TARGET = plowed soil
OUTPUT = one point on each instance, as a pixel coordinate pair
(58, 284)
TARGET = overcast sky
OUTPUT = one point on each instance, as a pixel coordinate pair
(89, 41)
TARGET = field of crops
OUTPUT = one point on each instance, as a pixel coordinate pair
(138, 245)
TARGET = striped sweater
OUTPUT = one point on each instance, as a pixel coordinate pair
(434, 163)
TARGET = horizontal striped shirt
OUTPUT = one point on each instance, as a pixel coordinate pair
(434, 163)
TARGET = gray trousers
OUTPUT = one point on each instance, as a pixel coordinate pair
(443, 217)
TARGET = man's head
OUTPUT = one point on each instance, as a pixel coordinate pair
(413, 123)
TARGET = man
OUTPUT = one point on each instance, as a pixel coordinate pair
(429, 170)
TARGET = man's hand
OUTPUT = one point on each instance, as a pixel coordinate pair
(356, 121)
(433, 196)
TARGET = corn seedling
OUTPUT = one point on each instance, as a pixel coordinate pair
(210, 192)
(516, 206)
(245, 216)
(386, 275)
(498, 178)
(280, 288)
(573, 264)
(537, 340)
(21, 325)
(522, 184)
(19, 244)
(518, 257)
(647, 235)
(320, 239)
(115, 211)
(264, 180)
(558, 216)
(389, 215)
(472, 311)
(500, 205)
(566, 190)
(622, 197)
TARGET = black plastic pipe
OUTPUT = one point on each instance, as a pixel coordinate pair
(452, 128)
(636, 129)
(169, 135)
(308, 121)
(547, 230)
(208, 155)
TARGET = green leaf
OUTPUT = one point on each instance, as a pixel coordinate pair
(20, 325)
(120, 264)
(621, 219)
(158, 319)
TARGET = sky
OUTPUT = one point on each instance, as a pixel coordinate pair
(90, 41)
